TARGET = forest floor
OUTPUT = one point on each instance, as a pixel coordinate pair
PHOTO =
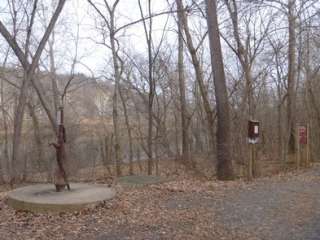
(282, 207)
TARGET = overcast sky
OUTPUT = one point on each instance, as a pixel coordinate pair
(80, 13)
(131, 39)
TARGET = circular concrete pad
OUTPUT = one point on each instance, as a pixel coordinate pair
(44, 198)
(140, 180)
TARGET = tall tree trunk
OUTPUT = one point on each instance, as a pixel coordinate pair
(182, 87)
(115, 95)
(291, 82)
(224, 166)
(150, 120)
(151, 94)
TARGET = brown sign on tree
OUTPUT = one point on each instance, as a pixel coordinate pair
(253, 131)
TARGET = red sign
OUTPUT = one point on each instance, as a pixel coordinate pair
(303, 135)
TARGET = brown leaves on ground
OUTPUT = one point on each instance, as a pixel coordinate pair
(152, 212)
(181, 209)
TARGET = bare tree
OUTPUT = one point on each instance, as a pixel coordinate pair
(247, 48)
(182, 86)
(110, 24)
(151, 82)
(291, 80)
(29, 67)
(199, 74)
(224, 166)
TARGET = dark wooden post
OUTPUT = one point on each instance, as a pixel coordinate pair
(253, 138)
(61, 179)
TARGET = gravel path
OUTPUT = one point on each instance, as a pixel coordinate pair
(287, 209)
(278, 208)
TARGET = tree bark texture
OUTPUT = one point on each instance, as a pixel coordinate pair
(224, 165)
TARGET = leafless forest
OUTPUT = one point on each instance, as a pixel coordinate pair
(146, 84)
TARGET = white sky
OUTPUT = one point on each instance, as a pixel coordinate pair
(93, 55)
(132, 38)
